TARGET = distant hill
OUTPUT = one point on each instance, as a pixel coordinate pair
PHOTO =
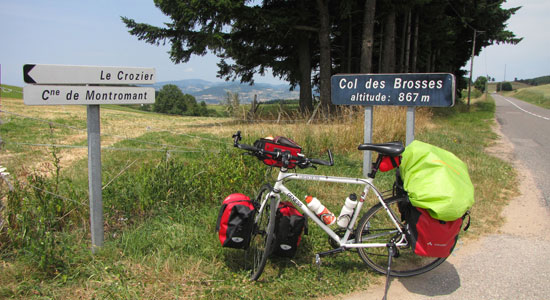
(536, 81)
(215, 92)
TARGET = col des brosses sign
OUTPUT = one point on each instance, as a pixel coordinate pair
(410, 89)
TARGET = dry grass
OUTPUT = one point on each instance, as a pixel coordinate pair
(389, 124)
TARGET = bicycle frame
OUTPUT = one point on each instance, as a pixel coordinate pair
(344, 242)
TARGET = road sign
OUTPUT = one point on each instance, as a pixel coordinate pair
(86, 95)
(65, 74)
(411, 89)
(84, 91)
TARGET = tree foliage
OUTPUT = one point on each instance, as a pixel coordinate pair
(305, 42)
(171, 100)
(536, 81)
(481, 83)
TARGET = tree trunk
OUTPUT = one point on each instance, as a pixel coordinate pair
(428, 68)
(380, 51)
(325, 64)
(415, 43)
(388, 59)
(349, 45)
(304, 62)
(367, 40)
(408, 44)
(401, 63)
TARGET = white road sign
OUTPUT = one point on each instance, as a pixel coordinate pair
(64, 74)
(86, 95)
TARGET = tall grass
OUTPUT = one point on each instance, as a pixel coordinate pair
(539, 95)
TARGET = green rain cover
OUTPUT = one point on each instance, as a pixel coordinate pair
(437, 181)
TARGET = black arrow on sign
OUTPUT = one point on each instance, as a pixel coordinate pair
(26, 77)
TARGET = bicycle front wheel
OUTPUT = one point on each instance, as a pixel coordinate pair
(263, 232)
(376, 226)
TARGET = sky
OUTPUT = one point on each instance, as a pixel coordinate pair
(69, 32)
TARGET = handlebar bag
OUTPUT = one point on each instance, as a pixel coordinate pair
(436, 180)
(426, 235)
(235, 221)
(290, 224)
(279, 143)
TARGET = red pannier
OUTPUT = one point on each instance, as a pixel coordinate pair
(235, 221)
(279, 143)
(428, 236)
(290, 224)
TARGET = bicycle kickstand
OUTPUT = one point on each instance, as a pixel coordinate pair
(391, 253)
(318, 263)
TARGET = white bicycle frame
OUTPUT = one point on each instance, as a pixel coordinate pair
(344, 242)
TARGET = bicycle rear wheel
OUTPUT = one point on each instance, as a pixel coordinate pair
(377, 227)
(263, 233)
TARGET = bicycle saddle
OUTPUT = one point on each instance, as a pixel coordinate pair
(391, 148)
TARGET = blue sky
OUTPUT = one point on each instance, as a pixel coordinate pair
(91, 33)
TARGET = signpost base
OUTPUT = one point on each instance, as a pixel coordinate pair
(410, 124)
(94, 176)
(367, 155)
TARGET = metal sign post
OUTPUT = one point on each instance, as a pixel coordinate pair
(45, 89)
(94, 176)
(411, 90)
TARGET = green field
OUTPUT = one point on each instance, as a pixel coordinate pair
(537, 95)
(164, 178)
(10, 91)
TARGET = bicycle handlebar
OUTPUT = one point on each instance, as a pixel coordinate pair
(285, 156)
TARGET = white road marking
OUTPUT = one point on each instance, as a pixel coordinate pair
(526, 111)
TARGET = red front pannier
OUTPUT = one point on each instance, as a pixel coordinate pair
(235, 221)
(428, 236)
(279, 143)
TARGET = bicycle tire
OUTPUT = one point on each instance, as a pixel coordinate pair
(263, 233)
(376, 226)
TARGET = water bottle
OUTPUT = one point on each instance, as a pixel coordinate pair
(347, 211)
(319, 209)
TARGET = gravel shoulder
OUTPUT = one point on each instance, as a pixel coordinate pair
(510, 264)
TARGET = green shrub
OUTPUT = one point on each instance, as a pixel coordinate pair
(35, 218)
(507, 86)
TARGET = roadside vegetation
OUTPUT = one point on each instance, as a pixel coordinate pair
(164, 178)
(537, 95)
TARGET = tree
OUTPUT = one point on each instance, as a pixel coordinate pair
(171, 100)
(325, 64)
(277, 35)
(367, 40)
(480, 83)
(298, 38)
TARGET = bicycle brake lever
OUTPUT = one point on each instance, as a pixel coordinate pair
(236, 138)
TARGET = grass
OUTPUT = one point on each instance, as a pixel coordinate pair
(537, 95)
(10, 91)
(160, 207)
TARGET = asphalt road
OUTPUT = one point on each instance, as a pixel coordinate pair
(513, 263)
(528, 128)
